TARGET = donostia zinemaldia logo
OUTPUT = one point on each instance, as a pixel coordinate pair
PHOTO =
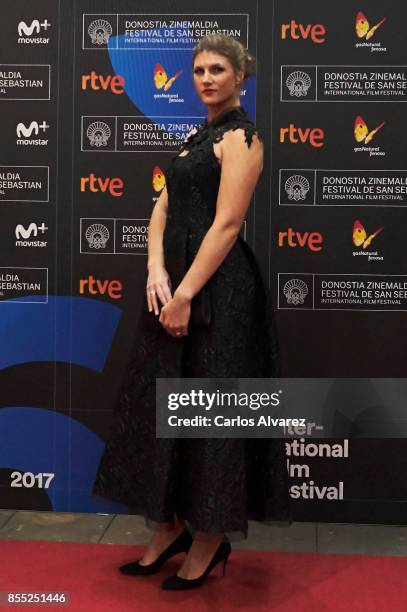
(100, 31)
(297, 187)
(98, 133)
(295, 291)
(97, 236)
(298, 83)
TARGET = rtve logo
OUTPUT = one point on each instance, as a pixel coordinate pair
(312, 240)
(314, 136)
(94, 286)
(297, 31)
(95, 81)
(97, 184)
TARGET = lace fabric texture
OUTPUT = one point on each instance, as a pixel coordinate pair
(213, 484)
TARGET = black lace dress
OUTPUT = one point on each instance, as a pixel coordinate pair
(213, 484)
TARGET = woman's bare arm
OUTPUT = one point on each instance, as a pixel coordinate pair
(158, 282)
(156, 230)
(241, 167)
(158, 279)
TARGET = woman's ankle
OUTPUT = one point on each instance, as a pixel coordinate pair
(167, 526)
(176, 525)
(204, 536)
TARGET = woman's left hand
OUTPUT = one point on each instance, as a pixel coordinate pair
(174, 316)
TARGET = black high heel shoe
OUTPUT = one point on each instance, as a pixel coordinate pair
(176, 583)
(181, 543)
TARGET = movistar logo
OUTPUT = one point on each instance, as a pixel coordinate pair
(26, 32)
(32, 230)
(24, 133)
(23, 28)
(35, 27)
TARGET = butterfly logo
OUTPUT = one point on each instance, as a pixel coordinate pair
(158, 179)
(161, 80)
(360, 237)
(361, 130)
(362, 26)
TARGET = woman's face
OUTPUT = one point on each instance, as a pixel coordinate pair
(214, 77)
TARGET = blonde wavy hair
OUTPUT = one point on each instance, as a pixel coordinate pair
(232, 49)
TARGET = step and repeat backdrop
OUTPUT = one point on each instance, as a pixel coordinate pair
(95, 100)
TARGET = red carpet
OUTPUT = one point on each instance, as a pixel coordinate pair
(260, 581)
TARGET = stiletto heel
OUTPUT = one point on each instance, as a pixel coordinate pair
(176, 583)
(181, 543)
(224, 565)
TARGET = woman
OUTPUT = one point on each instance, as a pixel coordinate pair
(197, 494)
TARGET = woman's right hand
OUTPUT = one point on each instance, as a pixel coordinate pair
(158, 284)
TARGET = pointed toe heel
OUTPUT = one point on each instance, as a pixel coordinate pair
(177, 583)
(181, 544)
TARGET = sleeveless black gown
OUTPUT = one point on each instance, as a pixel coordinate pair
(215, 485)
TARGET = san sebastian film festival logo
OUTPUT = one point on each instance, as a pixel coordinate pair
(99, 32)
(32, 33)
(298, 84)
(97, 236)
(113, 236)
(297, 188)
(98, 134)
(295, 291)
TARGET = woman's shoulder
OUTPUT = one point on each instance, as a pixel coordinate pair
(235, 121)
(245, 130)
(240, 123)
